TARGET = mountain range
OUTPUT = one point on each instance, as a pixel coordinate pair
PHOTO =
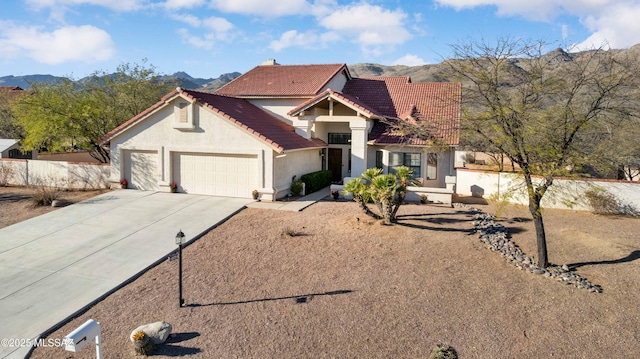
(184, 80)
(424, 73)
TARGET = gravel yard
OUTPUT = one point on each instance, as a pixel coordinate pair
(328, 282)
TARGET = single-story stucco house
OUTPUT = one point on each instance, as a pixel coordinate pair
(280, 121)
(10, 148)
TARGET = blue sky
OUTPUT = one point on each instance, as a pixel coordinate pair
(206, 38)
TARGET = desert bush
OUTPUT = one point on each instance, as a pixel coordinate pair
(470, 158)
(296, 187)
(443, 351)
(606, 203)
(289, 232)
(6, 172)
(602, 202)
(44, 195)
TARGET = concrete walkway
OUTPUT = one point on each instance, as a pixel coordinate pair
(54, 265)
(294, 206)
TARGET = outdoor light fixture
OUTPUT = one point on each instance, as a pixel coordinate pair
(179, 243)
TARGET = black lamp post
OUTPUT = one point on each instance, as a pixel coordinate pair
(179, 242)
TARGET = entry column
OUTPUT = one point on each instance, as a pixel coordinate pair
(359, 136)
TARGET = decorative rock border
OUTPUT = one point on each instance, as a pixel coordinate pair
(496, 236)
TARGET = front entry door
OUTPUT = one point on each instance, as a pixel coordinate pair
(335, 164)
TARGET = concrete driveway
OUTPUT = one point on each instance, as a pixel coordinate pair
(54, 265)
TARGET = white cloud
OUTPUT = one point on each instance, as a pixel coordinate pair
(321, 8)
(205, 41)
(372, 27)
(306, 40)
(531, 9)
(119, 5)
(182, 4)
(263, 8)
(565, 31)
(612, 22)
(410, 60)
(617, 27)
(191, 20)
(59, 8)
(66, 44)
(216, 29)
(219, 25)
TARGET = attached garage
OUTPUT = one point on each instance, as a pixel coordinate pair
(231, 175)
(211, 145)
(141, 168)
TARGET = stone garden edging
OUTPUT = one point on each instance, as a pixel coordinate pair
(496, 236)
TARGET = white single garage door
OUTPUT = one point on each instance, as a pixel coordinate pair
(141, 170)
(216, 174)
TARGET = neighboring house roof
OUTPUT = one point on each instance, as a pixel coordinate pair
(268, 128)
(283, 81)
(436, 104)
(6, 143)
(8, 93)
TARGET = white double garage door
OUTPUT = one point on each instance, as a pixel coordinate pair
(197, 173)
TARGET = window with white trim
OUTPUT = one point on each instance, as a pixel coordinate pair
(432, 166)
(412, 160)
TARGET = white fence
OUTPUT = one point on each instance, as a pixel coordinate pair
(565, 193)
(70, 175)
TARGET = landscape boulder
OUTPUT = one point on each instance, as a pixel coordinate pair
(158, 332)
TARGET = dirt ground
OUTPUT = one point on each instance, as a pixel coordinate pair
(16, 203)
(328, 282)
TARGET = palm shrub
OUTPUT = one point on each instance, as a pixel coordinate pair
(359, 192)
(387, 191)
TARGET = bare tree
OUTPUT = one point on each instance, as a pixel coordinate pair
(545, 112)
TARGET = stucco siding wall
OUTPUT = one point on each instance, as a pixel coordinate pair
(295, 163)
(337, 83)
(322, 129)
(445, 166)
(212, 134)
(279, 107)
(564, 194)
(60, 174)
(14, 172)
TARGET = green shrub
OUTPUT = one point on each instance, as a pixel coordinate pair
(315, 181)
(296, 187)
(443, 351)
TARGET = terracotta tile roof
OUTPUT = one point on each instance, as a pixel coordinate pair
(283, 81)
(265, 126)
(347, 100)
(8, 93)
(280, 135)
(436, 103)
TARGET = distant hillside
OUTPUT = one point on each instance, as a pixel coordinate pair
(424, 73)
(184, 80)
(25, 81)
(438, 72)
